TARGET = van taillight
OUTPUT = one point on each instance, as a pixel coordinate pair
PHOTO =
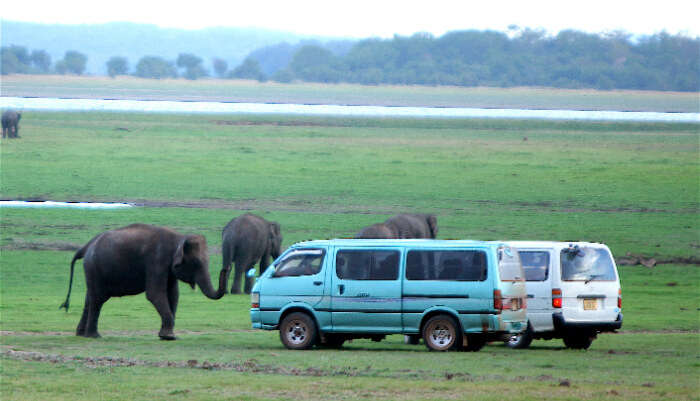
(497, 301)
(254, 300)
(556, 298)
(619, 298)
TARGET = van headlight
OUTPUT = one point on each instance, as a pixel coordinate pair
(255, 300)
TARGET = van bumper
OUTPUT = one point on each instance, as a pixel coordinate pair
(560, 324)
(255, 318)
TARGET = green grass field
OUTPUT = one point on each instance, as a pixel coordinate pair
(632, 186)
(348, 94)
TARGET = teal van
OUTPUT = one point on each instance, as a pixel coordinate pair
(453, 294)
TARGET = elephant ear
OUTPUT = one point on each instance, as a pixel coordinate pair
(432, 223)
(275, 230)
(189, 246)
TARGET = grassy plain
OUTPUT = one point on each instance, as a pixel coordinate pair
(348, 94)
(633, 186)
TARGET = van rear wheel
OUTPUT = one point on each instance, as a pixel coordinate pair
(521, 340)
(298, 331)
(442, 333)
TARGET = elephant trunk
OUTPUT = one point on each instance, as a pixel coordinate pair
(204, 282)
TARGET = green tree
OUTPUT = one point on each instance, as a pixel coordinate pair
(117, 65)
(15, 60)
(220, 67)
(74, 62)
(192, 65)
(316, 64)
(155, 67)
(249, 69)
(41, 60)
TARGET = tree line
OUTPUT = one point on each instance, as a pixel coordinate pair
(522, 57)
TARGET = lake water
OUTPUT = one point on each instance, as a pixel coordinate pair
(56, 104)
(72, 205)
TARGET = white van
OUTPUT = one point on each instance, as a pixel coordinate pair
(573, 292)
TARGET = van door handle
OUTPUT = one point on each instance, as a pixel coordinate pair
(318, 282)
(530, 295)
(341, 289)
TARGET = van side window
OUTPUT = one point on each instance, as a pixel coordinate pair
(367, 265)
(305, 262)
(446, 265)
(535, 264)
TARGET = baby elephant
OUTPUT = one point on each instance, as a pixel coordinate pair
(245, 241)
(138, 258)
(10, 124)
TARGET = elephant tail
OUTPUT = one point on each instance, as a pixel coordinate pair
(78, 255)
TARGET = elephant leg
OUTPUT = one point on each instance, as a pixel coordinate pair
(238, 273)
(94, 307)
(173, 296)
(80, 331)
(162, 304)
(249, 280)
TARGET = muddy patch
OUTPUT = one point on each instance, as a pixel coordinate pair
(17, 245)
(278, 123)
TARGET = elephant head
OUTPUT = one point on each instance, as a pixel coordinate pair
(432, 224)
(275, 237)
(191, 265)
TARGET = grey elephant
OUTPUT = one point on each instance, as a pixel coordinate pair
(138, 258)
(10, 124)
(246, 240)
(403, 226)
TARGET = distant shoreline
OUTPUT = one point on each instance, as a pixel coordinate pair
(242, 91)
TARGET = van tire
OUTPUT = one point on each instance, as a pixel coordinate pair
(442, 333)
(578, 341)
(522, 340)
(298, 331)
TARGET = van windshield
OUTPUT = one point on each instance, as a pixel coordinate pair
(586, 264)
(509, 267)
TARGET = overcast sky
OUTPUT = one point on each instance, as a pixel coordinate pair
(367, 18)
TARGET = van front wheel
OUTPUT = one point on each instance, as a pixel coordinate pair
(298, 331)
(441, 333)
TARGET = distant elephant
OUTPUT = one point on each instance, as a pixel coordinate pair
(10, 124)
(138, 258)
(403, 226)
(246, 240)
(376, 231)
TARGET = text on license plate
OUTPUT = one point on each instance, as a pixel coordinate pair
(590, 304)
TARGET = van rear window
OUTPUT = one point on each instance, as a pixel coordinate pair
(367, 265)
(446, 265)
(586, 264)
(535, 265)
(509, 267)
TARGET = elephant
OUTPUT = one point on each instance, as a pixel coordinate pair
(246, 240)
(138, 258)
(403, 226)
(10, 124)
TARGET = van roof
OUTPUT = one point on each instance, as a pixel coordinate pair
(553, 244)
(427, 243)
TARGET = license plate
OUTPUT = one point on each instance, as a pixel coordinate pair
(590, 304)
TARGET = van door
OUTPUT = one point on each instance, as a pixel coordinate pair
(537, 264)
(298, 277)
(366, 291)
(457, 279)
